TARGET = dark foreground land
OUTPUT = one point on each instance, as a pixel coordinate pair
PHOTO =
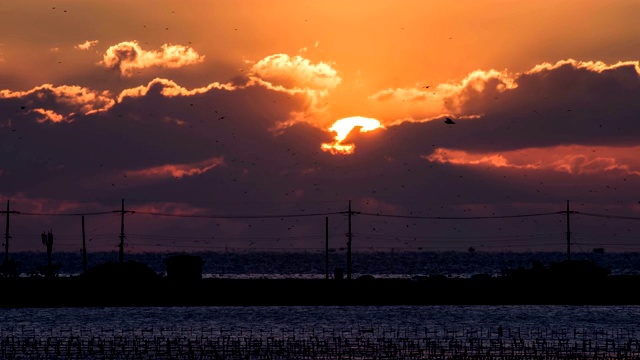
(133, 284)
(75, 292)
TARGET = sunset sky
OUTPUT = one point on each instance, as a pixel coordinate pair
(229, 124)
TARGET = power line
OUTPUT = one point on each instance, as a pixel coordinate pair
(415, 240)
(609, 216)
(64, 214)
(222, 238)
(266, 216)
(460, 217)
(235, 216)
(421, 238)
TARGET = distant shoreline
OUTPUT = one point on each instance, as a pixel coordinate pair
(312, 265)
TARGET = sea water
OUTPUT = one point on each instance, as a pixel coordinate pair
(187, 321)
(317, 264)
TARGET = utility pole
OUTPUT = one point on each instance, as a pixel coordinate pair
(349, 237)
(121, 245)
(6, 234)
(47, 240)
(349, 234)
(326, 247)
(569, 231)
(84, 248)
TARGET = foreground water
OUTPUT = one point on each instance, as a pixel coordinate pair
(300, 332)
(183, 321)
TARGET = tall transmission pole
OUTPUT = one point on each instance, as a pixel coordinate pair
(569, 212)
(349, 212)
(6, 234)
(350, 235)
(84, 248)
(121, 245)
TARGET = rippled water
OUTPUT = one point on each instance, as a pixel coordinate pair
(313, 265)
(195, 320)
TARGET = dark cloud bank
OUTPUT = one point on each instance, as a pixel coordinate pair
(141, 149)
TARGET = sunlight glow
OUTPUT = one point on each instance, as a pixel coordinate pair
(343, 127)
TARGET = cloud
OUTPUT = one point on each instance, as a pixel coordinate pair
(596, 66)
(299, 77)
(577, 84)
(293, 106)
(515, 142)
(128, 56)
(169, 88)
(60, 103)
(295, 72)
(567, 103)
(49, 115)
(152, 133)
(48, 205)
(177, 170)
(86, 45)
(420, 103)
(561, 104)
(575, 160)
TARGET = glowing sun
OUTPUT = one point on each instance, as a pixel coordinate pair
(343, 127)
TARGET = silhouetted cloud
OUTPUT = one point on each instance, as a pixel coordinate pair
(557, 131)
(58, 103)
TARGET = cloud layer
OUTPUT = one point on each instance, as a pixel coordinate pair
(521, 142)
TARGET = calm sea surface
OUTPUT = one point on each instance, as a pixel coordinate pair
(313, 264)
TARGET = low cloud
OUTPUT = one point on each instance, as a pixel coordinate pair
(575, 160)
(177, 170)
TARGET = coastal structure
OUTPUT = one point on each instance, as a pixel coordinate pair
(132, 283)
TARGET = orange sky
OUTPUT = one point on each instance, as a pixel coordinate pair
(113, 99)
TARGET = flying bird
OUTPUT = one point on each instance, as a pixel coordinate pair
(449, 121)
